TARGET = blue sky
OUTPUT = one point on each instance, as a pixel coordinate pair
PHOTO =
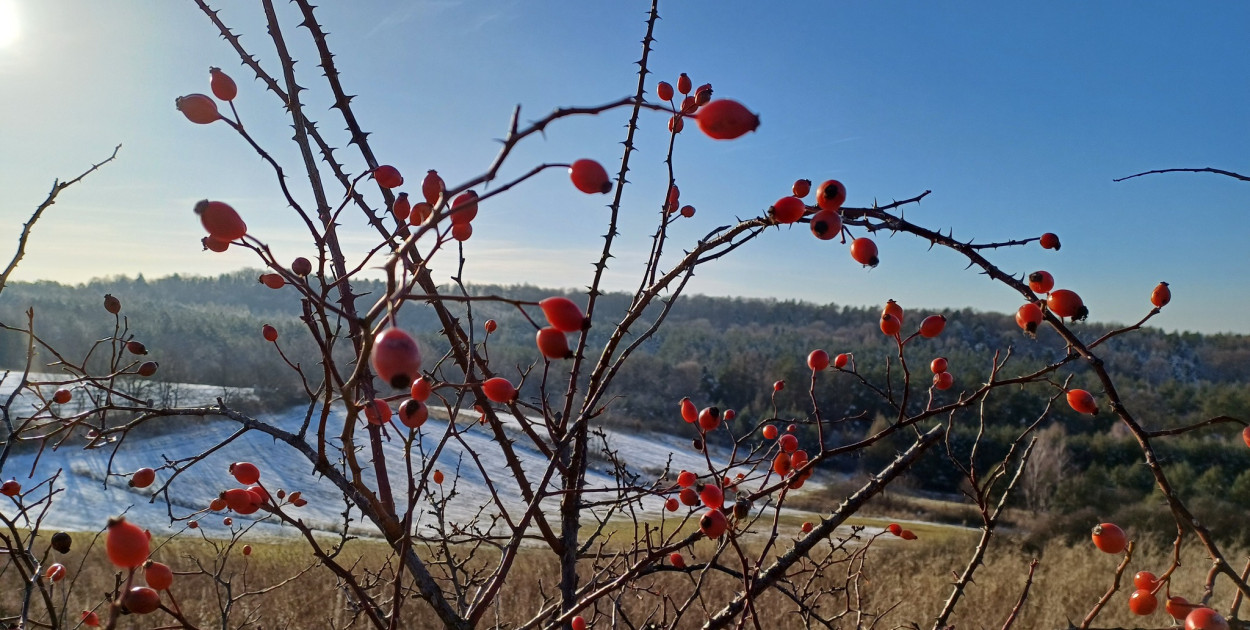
(1016, 115)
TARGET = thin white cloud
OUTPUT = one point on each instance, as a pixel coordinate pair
(410, 11)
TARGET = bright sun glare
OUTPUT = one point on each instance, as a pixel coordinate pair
(8, 22)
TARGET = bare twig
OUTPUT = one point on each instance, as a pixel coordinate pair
(1188, 170)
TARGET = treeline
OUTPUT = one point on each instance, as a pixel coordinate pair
(723, 351)
(726, 352)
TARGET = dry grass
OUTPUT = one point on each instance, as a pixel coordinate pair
(905, 582)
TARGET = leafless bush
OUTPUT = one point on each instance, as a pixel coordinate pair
(609, 531)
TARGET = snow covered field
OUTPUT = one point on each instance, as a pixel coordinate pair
(87, 495)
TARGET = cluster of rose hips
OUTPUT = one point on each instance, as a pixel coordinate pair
(713, 522)
(61, 543)
(818, 360)
(300, 267)
(224, 225)
(396, 356)
(705, 420)
(413, 412)
(587, 176)
(145, 369)
(460, 213)
(250, 499)
(63, 395)
(673, 205)
(1110, 538)
(711, 495)
(128, 547)
(790, 460)
(897, 530)
(1065, 303)
(1062, 302)
(722, 119)
(222, 222)
(690, 103)
(708, 419)
(396, 359)
(891, 324)
(826, 221)
(563, 316)
(202, 109)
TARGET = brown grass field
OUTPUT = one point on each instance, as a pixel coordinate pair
(901, 584)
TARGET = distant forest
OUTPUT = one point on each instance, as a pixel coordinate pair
(728, 352)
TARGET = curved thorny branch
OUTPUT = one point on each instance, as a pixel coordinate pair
(1237, 176)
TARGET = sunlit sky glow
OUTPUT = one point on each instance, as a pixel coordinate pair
(1016, 115)
(10, 28)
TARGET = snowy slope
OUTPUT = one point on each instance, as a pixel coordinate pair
(87, 496)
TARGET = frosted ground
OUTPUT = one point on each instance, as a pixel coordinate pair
(86, 494)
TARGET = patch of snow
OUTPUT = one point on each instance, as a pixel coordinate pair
(91, 485)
